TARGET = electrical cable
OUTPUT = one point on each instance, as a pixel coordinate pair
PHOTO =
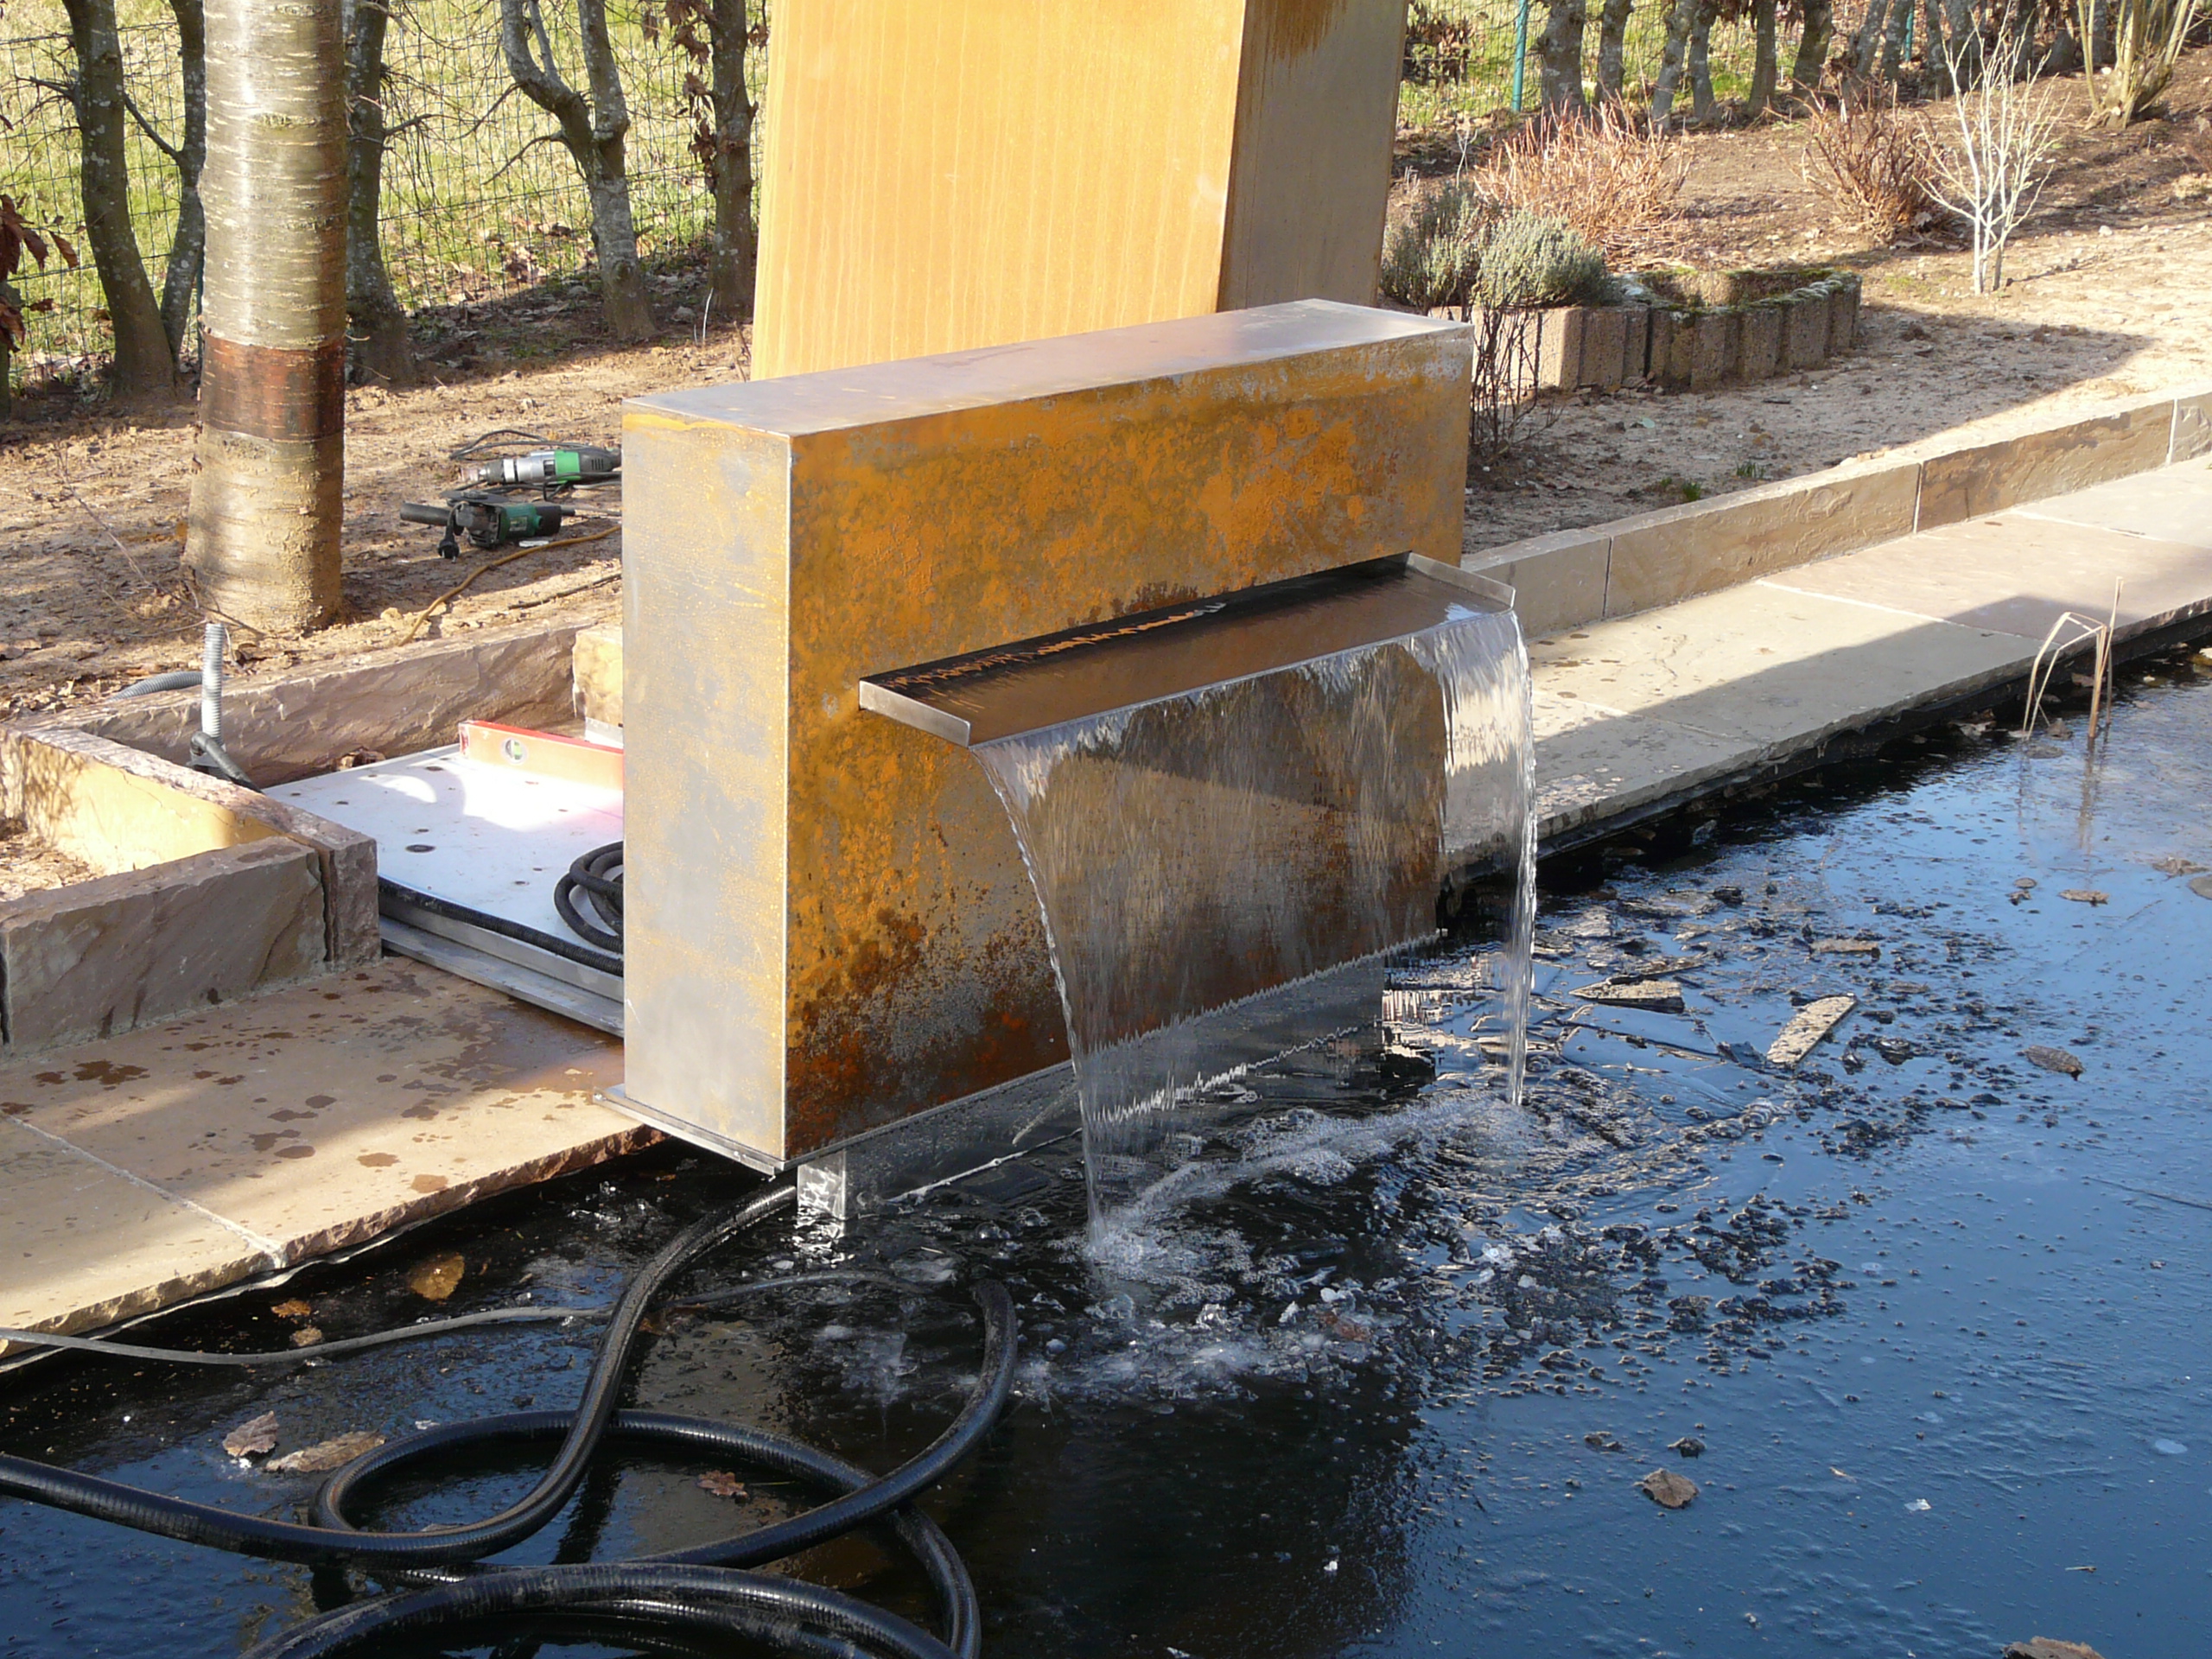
(697, 1590)
(510, 435)
(597, 875)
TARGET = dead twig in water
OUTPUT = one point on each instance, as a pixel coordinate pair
(2148, 1192)
(2046, 663)
(462, 586)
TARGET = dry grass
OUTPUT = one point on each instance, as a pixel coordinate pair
(1605, 173)
(1877, 167)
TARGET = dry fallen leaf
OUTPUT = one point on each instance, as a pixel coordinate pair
(722, 1484)
(306, 1336)
(258, 1436)
(436, 1280)
(295, 1309)
(2086, 896)
(324, 1455)
(1666, 1488)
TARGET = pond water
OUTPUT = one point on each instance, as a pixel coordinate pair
(1381, 1370)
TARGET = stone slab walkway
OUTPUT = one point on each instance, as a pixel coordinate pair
(138, 1171)
(1638, 712)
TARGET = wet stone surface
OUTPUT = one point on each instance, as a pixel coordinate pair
(1387, 1367)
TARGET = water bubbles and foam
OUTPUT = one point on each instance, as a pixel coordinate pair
(1228, 875)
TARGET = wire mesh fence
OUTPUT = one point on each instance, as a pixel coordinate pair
(480, 198)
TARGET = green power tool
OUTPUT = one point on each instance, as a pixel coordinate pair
(552, 469)
(488, 520)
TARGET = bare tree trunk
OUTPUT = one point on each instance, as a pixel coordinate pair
(1867, 44)
(143, 366)
(1965, 40)
(1765, 71)
(1813, 44)
(377, 321)
(1612, 40)
(737, 238)
(262, 541)
(592, 133)
(188, 244)
(1934, 64)
(1679, 24)
(1703, 105)
(1893, 40)
(1560, 54)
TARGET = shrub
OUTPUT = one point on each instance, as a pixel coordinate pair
(1435, 251)
(1877, 169)
(1532, 259)
(1614, 179)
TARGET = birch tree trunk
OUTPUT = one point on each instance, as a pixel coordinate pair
(261, 541)
(1560, 54)
(1765, 69)
(189, 243)
(1613, 39)
(737, 238)
(592, 133)
(376, 319)
(143, 366)
(1812, 45)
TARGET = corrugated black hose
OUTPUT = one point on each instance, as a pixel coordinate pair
(699, 1590)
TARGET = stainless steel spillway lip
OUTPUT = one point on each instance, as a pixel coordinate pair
(1079, 672)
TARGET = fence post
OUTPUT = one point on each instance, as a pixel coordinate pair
(1520, 55)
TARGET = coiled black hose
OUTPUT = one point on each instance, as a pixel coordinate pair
(598, 876)
(695, 1589)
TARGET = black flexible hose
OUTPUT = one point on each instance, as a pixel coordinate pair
(597, 875)
(663, 1590)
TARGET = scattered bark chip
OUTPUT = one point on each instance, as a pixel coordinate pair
(1666, 1488)
(1689, 1445)
(324, 1455)
(2054, 1059)
(1846, 947)
(248, 1438)
(1803, 1034)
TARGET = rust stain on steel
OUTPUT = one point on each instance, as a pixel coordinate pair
(278, 393)
(1287, 28)
(830, 925)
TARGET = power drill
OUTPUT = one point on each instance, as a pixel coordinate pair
(488, 521)
(552, 469)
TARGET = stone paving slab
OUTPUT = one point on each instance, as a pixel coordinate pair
(2017, 574)
(294, 1124)
(62, 1216)
(1595, 762)
(2171, 504)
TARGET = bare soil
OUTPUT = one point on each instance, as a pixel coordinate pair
(2108, 291)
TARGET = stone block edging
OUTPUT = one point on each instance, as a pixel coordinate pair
(1651, 559)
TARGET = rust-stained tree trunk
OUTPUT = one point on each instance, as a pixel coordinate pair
(737, 238)
(1560, 56)
(1613, 39)
(263, 537)
(143, 366)
(592, 133)
(378, 322)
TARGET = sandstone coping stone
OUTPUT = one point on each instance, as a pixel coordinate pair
(2081, 450)
(100, 957)
(2192, 425)
(598, 673)
(120, 808)
(1658, 558)
(1558, 579)
(414, 698)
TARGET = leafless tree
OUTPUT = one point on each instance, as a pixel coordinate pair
(1612, 40)
(262, 540)
(1991, 171)
(188, 239)
(592, 130)
(144, 365)
(1765, 70)
(377, 321)
(1812, 61)
(2147, 36)
(714, 35)
(1559, 54)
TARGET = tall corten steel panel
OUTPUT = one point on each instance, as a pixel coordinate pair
(941, 174)
(828, 926)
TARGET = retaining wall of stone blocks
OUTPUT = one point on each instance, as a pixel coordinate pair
(209, 891)
(1572, 576)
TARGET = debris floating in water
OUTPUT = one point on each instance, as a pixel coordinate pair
(324, 1455)
(2053, 1059)
(1657, 996)
(1667, 1490)
(1803, 1034)
(2086, 895)
(255, 1434)
(1846, 947)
